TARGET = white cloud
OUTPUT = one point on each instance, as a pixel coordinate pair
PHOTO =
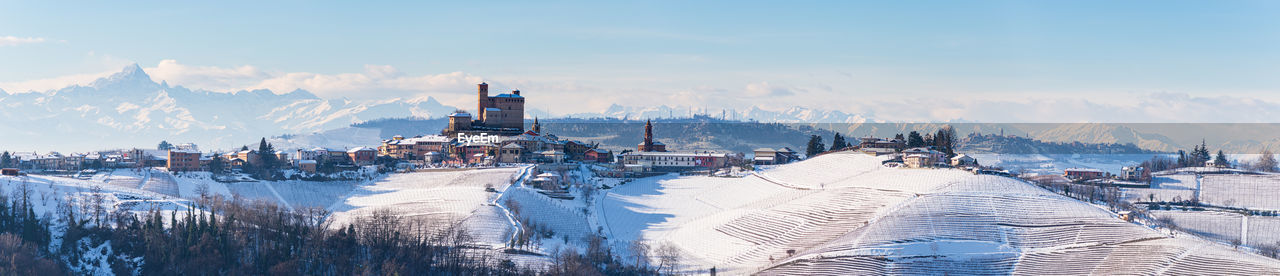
(15, 41)
(206, 77)
(46, 84)
(765, 89)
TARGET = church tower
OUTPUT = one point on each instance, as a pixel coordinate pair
(648, 136)
(537, 128)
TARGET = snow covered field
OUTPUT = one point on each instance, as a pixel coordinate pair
(437, 197)
(845, 214)
(839, 213)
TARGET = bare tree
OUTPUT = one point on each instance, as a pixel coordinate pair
(640, 250)
(668, 256)
(1266, 162)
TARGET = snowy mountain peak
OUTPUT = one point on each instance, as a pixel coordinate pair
(129, 76)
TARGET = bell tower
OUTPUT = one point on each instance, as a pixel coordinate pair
(648, 136)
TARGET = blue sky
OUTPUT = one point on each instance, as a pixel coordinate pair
(728, 54)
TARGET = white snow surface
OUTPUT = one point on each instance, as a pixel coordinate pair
(845, 214)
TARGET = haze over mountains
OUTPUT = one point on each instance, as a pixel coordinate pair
(130, 109)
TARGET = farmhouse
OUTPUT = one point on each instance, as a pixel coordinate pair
(1083, 173)
(768, 156)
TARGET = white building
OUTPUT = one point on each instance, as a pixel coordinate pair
(678, 161)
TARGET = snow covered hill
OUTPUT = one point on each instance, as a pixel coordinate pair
(130, 109)
(843, 214)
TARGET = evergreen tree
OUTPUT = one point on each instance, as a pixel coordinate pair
(815, 146)
(1221, 160)
(266, 159)
(164, 145)
(838, 142)
(914, 140)
(5, 160)
(217, 164)
(1182, 158)
(945, 140)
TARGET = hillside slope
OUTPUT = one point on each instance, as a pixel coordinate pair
(846, 214)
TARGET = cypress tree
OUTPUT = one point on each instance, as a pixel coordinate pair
(815, 146)
(1221, 160)
(914, 140)
(838, 142)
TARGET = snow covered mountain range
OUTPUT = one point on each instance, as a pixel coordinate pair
(129, 109)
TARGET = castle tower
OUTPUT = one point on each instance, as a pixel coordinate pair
(482, 99)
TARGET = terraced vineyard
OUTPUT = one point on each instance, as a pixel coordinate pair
(843, 214)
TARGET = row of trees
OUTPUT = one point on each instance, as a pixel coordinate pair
(1199, 156)
(943, 140)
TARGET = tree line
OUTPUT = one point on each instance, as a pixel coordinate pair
(220, 236)
(944, 140)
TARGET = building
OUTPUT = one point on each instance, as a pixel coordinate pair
(1078, 174)
(963, 160)
(1132, 173)
(362, 156)
(677, 161)
(308, 166)
(183, 161)
(598, 156)
(767, 156)
(869, 142)
(923, 157)
(511, 153)
(502, 114)
(648, 145)
(53, 161)
(415, 148)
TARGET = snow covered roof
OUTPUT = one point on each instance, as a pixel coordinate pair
(764, 158)
(681, 154)
(766, 149)
(421, 139)
(512, 146)
(508, 95)
(1082, 170)
(460, 114)
(359, 149)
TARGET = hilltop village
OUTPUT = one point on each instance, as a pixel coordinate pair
(494, 135)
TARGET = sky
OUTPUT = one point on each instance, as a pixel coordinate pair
(876, 57)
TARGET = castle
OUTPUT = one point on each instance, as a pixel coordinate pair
(497, 115)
